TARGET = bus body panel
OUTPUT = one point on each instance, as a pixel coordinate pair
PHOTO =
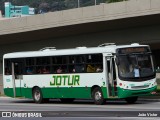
(124, 93)
(71, 91)
(75, 85)
(58, 85)
(130, 88)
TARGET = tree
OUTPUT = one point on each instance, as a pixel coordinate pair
(44, 7)
(110, 1)
(71, 4)
(54, 5)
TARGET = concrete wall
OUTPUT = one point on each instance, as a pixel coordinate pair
(146, 34)
(102, 12)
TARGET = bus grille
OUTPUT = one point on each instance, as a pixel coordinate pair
(146, 86)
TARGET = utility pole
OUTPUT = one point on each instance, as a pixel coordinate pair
(78, 4)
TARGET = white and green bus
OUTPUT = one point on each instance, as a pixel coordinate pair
(99, 73)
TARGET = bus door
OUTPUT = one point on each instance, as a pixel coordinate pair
(111, 77)
(17, 78)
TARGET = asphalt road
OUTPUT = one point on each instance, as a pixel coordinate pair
(81, 109)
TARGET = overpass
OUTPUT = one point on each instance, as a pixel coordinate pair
(95, 19)
(122, 22)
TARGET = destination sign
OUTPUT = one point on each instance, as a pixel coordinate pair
(132, 50)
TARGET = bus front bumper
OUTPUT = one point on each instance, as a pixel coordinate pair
(124, 93)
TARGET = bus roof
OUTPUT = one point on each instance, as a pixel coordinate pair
(73, 51)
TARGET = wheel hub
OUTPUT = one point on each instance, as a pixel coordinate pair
(98, 96)
(37, 95)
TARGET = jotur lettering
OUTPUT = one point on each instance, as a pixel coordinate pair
(65, 80)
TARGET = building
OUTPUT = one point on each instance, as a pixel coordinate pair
(17, 11)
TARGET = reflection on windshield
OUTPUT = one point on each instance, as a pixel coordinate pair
(135, 66)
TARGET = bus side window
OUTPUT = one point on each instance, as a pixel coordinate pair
(99, 68)
(94, 63)
(29, 70)
(7, 67)
(59, 69)
(46, 70)
(79, 68)
(7, 71)
(91, 68)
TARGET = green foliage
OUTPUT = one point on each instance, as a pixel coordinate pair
(110, 1)
(54, 5)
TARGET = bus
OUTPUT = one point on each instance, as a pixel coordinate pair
(108, 71)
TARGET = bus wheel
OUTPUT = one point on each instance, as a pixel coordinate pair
(131, 100)
(67, 100)
(98, 96)
(37, 95)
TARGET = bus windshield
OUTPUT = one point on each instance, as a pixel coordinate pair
(135, 66)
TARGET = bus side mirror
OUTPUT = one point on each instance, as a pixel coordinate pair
(117, 61)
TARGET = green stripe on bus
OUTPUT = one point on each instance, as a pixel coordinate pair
(56, 92)
(76, 92)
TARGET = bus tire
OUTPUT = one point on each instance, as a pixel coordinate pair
(37, 95)
(67, 100)
(131, 100)
(97, 96)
